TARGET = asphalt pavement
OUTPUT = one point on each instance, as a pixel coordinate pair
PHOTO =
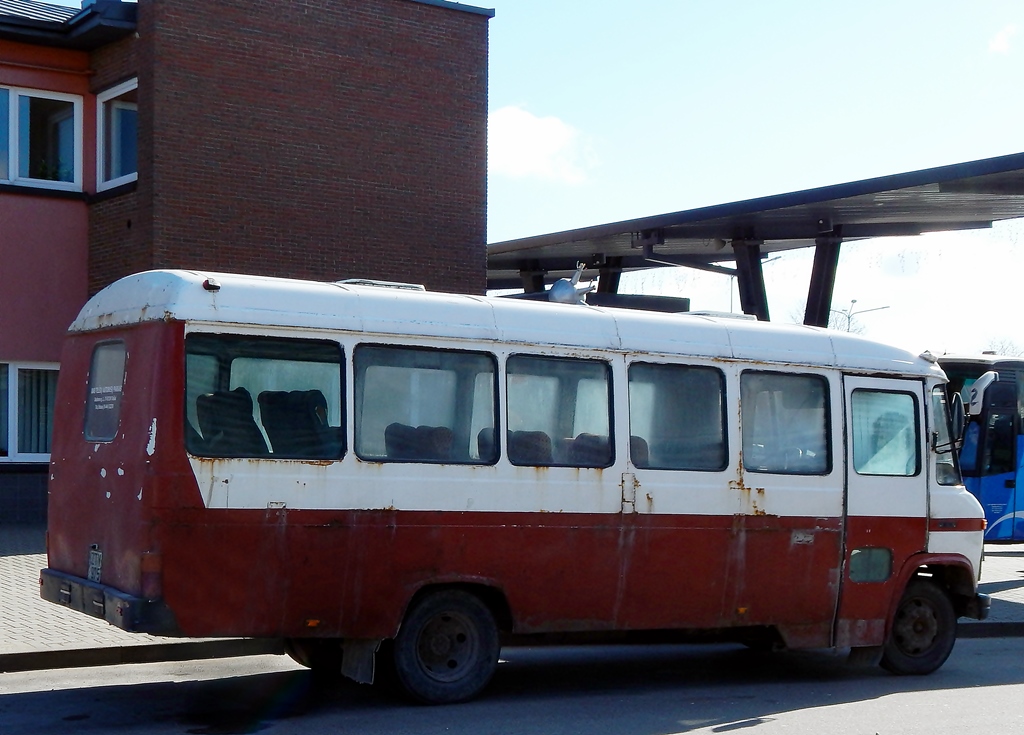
(35, 634)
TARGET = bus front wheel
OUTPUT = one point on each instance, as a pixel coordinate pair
(447, 648)
(923, 630)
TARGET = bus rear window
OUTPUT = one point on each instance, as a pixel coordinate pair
(263, 397)
(106, 380)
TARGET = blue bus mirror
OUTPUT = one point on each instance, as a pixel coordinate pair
(978, 389)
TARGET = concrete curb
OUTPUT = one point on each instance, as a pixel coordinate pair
(990, 630)
(138, 654)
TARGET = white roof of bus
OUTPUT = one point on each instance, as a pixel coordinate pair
(279, 302)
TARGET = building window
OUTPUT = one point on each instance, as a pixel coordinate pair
(26, 412)
(117, 135)
(40, 138)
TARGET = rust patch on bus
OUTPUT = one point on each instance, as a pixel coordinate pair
(751, 494)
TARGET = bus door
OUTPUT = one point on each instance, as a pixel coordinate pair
(886, 500)
(786, 546)
(990, 461)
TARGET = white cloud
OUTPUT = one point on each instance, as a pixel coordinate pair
(522, 145)
(1000, 43)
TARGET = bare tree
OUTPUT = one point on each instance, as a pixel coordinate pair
(1005, 347)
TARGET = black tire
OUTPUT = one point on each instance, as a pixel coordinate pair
(321, 655)
(447, 648)
(923, 630)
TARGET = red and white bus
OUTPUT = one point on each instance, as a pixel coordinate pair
(349, 465)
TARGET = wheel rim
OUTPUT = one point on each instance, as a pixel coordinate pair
(916, 627)
(448, 646)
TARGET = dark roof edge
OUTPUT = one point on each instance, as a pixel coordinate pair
(95, 25)
(891, 182)
(489, 12)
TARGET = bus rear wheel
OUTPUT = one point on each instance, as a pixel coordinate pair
(923, 630)
(447, 648)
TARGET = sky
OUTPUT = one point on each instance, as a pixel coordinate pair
(601, 111)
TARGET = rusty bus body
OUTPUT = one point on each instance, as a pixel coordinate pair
(344, 465)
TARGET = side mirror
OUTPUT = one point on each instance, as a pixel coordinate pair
(977, 391)
(957, 417)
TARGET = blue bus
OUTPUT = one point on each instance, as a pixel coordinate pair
(992, 455)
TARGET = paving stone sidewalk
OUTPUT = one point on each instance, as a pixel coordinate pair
(35, 634)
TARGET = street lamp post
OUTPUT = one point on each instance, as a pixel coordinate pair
(848, 314)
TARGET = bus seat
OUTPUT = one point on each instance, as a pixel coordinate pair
(296, 422)
(400, 441)
(529, 448)
(639, 452)
(228, 426)
(431, 443)
(694, 453)
(436, 442)
(590, 450)
(486, 444)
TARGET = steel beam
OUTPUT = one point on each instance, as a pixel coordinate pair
(823, 279)
(750, 278)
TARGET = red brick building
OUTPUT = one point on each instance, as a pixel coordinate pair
(326, 139)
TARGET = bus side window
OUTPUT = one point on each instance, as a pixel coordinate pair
(425, 405)
(999, 444)
(784, 419)
(884, 426)
(559, 412)
(676, 417)
(263, 397)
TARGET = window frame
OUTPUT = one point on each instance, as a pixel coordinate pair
(223, 348)
(358, 385)
(14, 139)
(102, 182)
(89, 400)
(12, 414)
(724, 418)
(918, 429)
(610, 381)
(827, 425)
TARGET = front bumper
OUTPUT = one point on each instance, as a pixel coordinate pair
(127, 612)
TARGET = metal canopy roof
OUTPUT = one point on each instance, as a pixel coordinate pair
(961, 196)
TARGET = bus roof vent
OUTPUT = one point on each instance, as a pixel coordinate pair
(381, 284)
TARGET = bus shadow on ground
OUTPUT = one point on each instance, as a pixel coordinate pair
(18, 540)
(622, 690)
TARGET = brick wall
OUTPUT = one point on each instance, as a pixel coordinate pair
(320, 139)
(119, 225)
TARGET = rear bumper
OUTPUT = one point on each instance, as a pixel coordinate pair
(978, 607)
(127, 612)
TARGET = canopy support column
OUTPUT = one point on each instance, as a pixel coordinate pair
(610, 272)
(532, 277)
(823, 280)
(750, 278)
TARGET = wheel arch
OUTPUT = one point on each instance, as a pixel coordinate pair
(490, 594)
(953, 572)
